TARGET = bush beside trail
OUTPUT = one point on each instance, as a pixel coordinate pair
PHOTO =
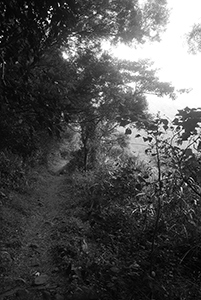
(136, 258)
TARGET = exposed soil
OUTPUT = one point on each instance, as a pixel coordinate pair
(40, 222)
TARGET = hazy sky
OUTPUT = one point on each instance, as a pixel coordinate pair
(172, 57)
(175, 63)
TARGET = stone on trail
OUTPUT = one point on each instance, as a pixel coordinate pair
(41, 279)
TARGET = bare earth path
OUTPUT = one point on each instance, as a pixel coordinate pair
(34, 274)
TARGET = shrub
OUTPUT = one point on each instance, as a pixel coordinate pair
(143, 233)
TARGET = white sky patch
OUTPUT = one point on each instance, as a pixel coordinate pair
(172, 57)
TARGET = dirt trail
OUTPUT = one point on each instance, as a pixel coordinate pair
(35, 275)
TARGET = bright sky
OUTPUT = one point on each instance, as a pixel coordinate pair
(171, 56)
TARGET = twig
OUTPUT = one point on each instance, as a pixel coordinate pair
(3, 69)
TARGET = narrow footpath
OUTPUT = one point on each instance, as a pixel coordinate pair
(33, 273)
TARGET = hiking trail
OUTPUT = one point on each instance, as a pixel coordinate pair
(34, 276)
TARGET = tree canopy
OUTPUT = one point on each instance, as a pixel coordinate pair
(194, 39)
(40, 90)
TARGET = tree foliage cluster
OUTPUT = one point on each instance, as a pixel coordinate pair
(194, 39)
(40, 91)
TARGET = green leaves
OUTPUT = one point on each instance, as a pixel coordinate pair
(42, 90)
(165, 123)
(128, 131)
(188, 120)
(148, 139)
(194, 39)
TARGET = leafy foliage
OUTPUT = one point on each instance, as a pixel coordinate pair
(188, 122)
(38, 88)
(194, 39)
(145, 221)
(106, 99)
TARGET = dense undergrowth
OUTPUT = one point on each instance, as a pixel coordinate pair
(143, 249)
